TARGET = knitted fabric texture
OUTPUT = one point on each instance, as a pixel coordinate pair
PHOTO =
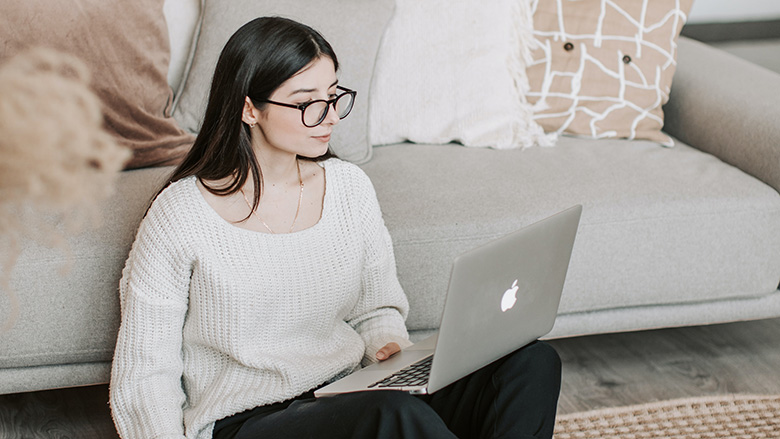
(217, 319)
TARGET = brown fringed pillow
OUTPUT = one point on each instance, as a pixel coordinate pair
(604, 69)
(125, 46)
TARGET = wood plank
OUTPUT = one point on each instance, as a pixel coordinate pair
(57, 414)
(632, 368)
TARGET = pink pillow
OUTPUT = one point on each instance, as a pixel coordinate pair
(125, 45)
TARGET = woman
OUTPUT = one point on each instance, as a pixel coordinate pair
(264, 270)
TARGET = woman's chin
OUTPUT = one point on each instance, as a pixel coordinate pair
(315, 152)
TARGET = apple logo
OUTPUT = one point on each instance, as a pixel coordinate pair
(510, 297)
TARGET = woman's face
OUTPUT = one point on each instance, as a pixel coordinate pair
(280, 129)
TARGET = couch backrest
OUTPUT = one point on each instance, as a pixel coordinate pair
(356, 45)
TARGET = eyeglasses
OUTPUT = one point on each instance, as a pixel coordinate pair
(314, 112)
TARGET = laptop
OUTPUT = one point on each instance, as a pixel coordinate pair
(501, 296)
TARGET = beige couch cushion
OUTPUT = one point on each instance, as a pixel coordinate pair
(659, 226)
(352, 27)
(70, 296)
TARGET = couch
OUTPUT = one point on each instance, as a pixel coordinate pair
(687, 235)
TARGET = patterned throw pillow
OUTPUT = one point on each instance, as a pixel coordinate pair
(604, 68)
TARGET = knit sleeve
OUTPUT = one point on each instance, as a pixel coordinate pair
(380, 314)
(146, 394)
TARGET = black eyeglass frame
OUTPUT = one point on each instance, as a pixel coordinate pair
(330, 102)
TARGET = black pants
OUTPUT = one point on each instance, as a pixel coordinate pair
(514, 397)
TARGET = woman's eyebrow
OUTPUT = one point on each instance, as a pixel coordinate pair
(311, 90)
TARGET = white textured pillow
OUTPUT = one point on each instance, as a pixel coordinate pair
(183, 19)
(455, 71)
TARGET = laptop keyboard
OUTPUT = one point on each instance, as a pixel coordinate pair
(413, 375)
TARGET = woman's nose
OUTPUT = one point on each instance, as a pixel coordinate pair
(332, 118)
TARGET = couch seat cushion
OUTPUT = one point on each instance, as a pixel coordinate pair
(659, 226)
(69, 297)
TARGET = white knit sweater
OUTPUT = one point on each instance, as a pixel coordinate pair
(217, 319)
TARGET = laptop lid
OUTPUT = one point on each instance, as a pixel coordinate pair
(502, 296)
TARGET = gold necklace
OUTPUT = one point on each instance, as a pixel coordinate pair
(297, 211)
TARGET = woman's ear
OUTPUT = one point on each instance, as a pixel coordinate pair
(250, 113)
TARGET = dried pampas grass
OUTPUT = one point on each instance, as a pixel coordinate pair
(56, 160)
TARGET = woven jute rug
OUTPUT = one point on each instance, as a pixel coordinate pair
(733, 417)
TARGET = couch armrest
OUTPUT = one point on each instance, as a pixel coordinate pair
(727, 107)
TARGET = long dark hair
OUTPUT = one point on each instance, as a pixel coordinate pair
(256, 60)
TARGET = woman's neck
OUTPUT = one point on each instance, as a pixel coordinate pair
(279, 169)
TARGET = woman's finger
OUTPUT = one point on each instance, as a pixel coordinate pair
(387, 351)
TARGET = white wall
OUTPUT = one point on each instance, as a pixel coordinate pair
(717, 11)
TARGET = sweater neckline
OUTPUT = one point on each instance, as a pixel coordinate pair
(215, 217)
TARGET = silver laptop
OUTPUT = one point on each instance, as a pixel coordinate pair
(501, 297)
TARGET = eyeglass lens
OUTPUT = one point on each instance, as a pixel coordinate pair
(317, 111)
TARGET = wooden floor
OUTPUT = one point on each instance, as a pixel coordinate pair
(78, 413)
(599, 371)
(632, 368)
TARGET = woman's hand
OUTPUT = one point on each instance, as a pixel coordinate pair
(387, 351)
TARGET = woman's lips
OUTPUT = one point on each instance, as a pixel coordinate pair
(324, 139)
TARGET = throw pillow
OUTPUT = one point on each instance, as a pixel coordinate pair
(352, 27)
(125, 45)
(183, 18)
(604, 69)
(455, 71)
